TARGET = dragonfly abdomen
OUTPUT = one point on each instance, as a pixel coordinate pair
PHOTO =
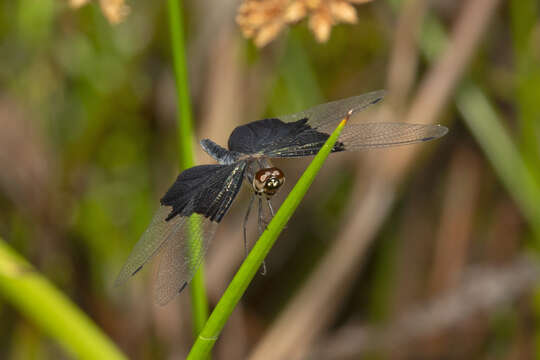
(222, 155)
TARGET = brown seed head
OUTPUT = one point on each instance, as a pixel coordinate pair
(114, 10)
(263, 20)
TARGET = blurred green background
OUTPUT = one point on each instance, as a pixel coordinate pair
(88, 146)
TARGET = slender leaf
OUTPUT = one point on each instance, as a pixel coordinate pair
(36, 298)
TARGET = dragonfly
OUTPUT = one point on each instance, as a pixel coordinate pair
(192, 208)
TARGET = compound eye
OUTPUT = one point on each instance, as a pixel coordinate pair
(272, 183)
(267, 181)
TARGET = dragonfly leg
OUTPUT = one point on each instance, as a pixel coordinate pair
(244, 225)
(263, 268)
(272, 211)
(260, 226)
(260, 220)
(271, 208)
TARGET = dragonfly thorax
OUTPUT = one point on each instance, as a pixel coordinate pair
(267, 181)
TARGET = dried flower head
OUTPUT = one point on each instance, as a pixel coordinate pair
(77, 3)
(114, 10)
(263, 20)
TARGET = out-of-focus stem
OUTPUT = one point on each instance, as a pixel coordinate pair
(199, 301)
(37, 299)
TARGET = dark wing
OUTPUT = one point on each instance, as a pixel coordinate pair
(206, 189)
(259, 137)
(184, 225)
(300, 129)
(303, 133)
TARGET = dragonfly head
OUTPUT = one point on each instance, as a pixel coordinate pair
(267, 181)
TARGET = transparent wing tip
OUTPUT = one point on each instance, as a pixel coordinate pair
(363, 101)
(124, 275)
(378, 96)
(162, 297)
(436, 131)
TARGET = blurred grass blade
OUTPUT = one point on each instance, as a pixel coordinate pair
(50, 310)
(199, 300)
(483, 122)
(517, 175)
(208, 336)
(487, 128)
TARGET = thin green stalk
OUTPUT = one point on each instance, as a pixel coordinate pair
(199, 301)
(184, 118)
(50, 310)
(209, 335)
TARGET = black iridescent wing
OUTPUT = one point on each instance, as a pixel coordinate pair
(206, 189)
(264, 136)
(303, 133)
(184, 225)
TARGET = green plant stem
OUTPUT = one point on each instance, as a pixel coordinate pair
(199, 300)
(50, 310)
(208, 336)
(184, 118)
